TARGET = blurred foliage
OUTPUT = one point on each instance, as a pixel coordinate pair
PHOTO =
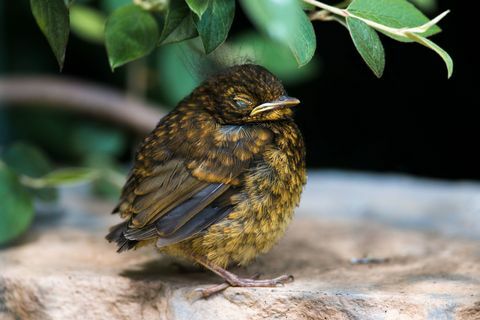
(426, 5)
(253, 46)
(16, 206)
(25, 159)
(88, 23)
(26, 174)
(61, 177)
(176, 75)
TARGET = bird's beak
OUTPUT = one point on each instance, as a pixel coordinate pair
(282, 102)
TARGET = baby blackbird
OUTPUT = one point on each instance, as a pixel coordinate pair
(219, 177)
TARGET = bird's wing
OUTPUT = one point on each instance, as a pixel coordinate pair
(184, 194)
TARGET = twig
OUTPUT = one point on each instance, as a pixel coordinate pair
(80, 96)
(327, 7)
(324, 15)
(345, 13)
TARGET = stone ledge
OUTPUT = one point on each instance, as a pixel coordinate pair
(68, 271)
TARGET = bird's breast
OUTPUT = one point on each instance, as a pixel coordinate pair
(275, 181)
(268, 192)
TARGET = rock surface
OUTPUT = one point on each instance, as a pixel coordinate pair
(423, 236)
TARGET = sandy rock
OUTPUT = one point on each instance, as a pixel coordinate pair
(65, 270)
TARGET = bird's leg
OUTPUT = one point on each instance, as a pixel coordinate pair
(232, 280)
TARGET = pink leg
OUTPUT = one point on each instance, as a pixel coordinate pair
(232, 280)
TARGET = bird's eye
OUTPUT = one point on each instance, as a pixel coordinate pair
(242, 103)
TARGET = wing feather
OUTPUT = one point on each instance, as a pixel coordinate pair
(176, 191)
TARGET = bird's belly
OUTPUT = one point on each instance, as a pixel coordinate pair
(265, 208)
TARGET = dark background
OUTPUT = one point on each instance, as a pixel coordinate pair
(413, 120)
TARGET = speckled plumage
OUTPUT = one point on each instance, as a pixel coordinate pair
(213, 181)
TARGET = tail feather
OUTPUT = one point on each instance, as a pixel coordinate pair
(117, 235)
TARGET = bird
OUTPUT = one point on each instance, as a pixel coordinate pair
(217, 180)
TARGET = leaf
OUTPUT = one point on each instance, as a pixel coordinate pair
(174, 61)
(110, 6)
(215, 23)
(284, 21)
(306, 6)
(130, 33)
(62, 177)
(184, 31)
(25, 159)
(430, 44)
(88, 23)
(271, 54)
(427, 5)
(368, 44)
(198, 6)
(52, 19)
(392, 13)
(178, 23)
(16, 206)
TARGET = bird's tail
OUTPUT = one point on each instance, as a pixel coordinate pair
(117, 234)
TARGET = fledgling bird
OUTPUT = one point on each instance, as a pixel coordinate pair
(218, 179)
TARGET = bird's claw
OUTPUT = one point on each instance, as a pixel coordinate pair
(282, 280)
(250, 282)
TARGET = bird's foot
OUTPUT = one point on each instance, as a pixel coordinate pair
(244, 282)
(232, 280)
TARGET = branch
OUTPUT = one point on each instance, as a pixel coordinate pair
(92, 99)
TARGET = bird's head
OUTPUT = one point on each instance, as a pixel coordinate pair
(245, 93)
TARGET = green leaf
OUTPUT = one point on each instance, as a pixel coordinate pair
(368, 44)
(28, 160)
(62, 177)
(184, 31)
(87, 23)
(16, 206)
(52, 19)
(306, 6)
(284, 21)
(427, 5)
(178, 25)
(430, 44)
(176, 79)
(215, 23)
(198, 6)
(111, 5)
(392, 13)
(130, 33)
(271, 54)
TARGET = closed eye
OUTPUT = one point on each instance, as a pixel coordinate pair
(242, 103)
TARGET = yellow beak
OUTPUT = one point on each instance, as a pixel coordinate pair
(282, 102)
